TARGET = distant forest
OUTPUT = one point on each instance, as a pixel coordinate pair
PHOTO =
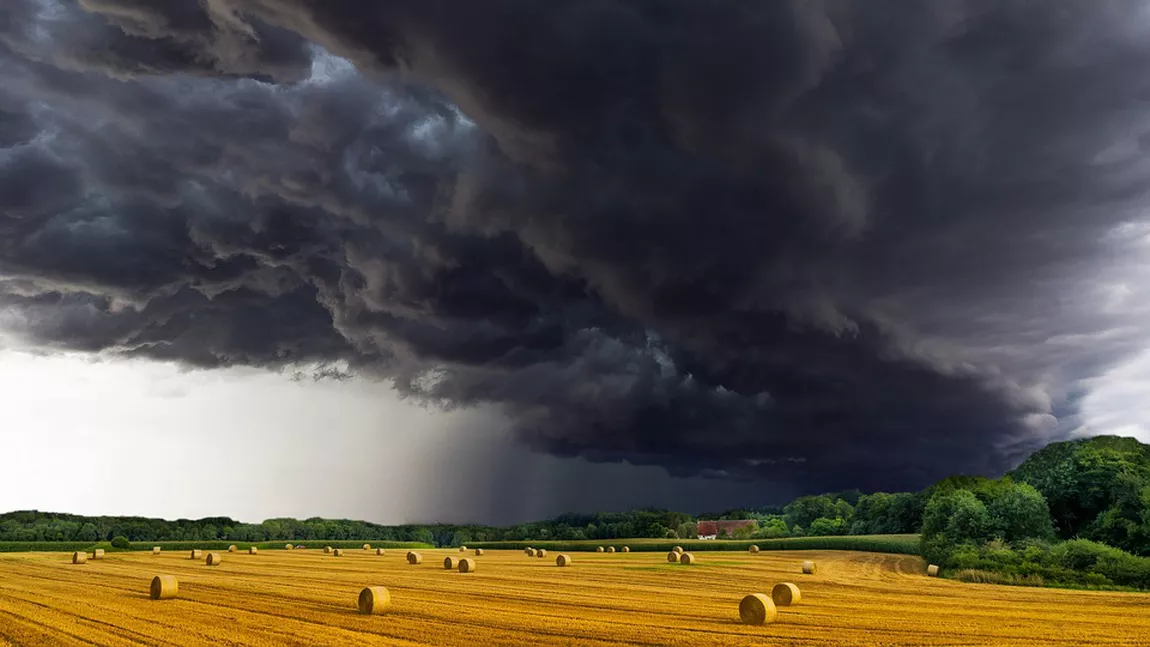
(35, 526)
(828, 514)
(1075, 512)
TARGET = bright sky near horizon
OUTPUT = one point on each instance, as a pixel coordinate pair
(144, 438)
(119, 437)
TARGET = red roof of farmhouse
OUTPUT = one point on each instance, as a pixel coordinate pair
(704, 528)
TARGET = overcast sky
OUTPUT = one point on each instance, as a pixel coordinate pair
(143, 438)
(688, 254)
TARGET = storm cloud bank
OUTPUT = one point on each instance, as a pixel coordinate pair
(833, 244)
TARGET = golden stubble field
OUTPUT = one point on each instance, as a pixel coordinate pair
(279, 598)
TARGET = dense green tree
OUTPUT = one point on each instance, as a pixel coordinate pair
(87, 532)
(844, 510)
(1093, 487)
(804, 510)
(984, 488)
(871, 514)
(882, 513)
(970, 520)
(1020, 512)
(1126, 522)
(686, 530)
(953, 517)
(824, 526)
(771, 527)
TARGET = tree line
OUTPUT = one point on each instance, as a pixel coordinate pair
(842, 513)
(829, 514)
(1075, 512)
(36, 526)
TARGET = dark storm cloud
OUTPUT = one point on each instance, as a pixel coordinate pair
(835, 244)
(125, 37)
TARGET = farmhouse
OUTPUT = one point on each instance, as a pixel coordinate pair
(713, 529)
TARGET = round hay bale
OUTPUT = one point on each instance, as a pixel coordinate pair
(531, 552)
(785, 594)
(288, 547)
(155, 550)
(232, 548)
(753, 549)
(197, 553)
(79, 557)
(164, 587)
(610, 549)
(450, 563)
(809, 568)
(626, 549)
(414, 558)
(252, 550)
(686, 558)
(367, 546)
(327, 550)
(98, 553)
(463, 549)
(213, 559)
(380, 551)
(338, 552)
(677, 549)
(563, 560)
(467, 565)
(478, 552)
(541, 553)
(673, 557)
(373, 600)
(757, 609)
(932, 570)
(599, 549)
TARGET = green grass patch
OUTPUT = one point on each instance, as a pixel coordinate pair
(46, 546)
(899, 544)
(991, 577)
(979, 576)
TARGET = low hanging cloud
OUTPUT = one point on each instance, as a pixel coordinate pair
(832, 244)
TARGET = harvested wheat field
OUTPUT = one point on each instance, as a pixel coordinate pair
(293, 598)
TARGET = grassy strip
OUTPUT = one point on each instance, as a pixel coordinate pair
(70, 546)
(1077, 563)
(899, 544)
(979, 576)
(45, 546)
